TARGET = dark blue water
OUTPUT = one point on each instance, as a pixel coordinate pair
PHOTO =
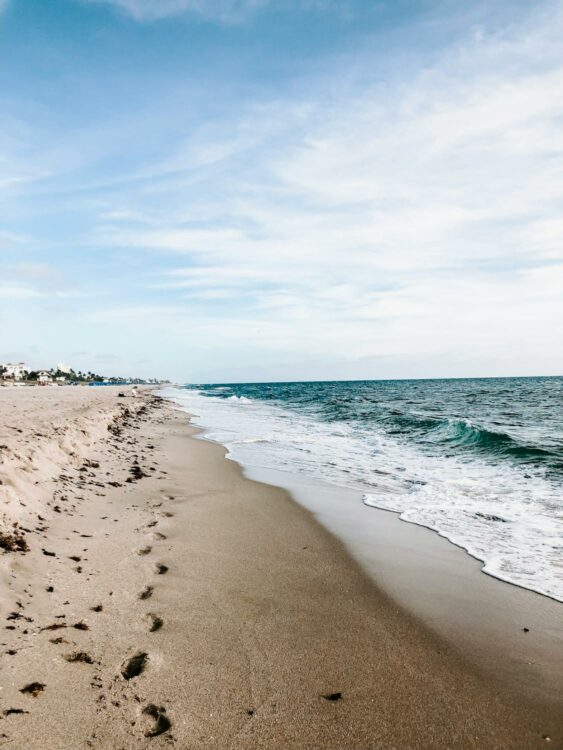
(513, 419)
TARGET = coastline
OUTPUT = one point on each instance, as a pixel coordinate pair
(264, 617)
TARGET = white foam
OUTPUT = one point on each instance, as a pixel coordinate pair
(510, 519)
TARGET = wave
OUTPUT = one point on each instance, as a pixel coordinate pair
(463, 433)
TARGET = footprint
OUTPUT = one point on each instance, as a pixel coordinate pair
(34, 688)
(161, 569)
(155, 621)
(161, 722)
(144, 550)
(333, 697)
(55, 626)
(135, 666)
(79, 656)
(146, 593)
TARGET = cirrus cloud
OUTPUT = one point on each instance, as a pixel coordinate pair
(228, 11)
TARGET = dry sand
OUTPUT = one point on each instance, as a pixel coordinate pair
(185, 605)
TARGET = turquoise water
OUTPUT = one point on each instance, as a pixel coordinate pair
(478, 460)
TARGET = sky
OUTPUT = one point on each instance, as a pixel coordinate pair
(254, 190)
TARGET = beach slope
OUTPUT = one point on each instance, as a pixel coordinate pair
(159, 598)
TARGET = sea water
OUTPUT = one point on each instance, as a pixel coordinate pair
(480, 461)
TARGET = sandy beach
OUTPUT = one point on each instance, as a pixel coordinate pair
(153, 596)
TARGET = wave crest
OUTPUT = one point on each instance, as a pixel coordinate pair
(464, 434)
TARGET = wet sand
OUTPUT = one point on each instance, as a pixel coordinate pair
(167, 600)
(509, 633)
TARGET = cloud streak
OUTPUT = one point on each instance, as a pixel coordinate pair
(227, 11)
(391, 220)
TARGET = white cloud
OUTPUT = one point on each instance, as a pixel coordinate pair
(9, 239)
(17, 291)
(391, 221)
(35, 280)
(228, 11)
(225, 11)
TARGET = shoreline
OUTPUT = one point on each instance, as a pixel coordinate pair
(249, 623)
(506, 631)
(486, 490)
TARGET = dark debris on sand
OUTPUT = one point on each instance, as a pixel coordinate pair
(79, 656)
(333, 697)
(33, 688)
(13, 541)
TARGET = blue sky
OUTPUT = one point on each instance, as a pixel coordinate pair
(217, 190)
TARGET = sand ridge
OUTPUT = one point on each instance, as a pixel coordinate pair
(68, 450)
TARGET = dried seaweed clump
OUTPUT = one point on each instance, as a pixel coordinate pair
(13, 541)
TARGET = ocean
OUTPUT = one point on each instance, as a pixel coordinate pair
(480, 461)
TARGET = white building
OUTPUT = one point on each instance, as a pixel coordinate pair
(64, 368)
(44, 377)
(16, 371)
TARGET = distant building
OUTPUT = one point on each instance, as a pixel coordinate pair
(16, 371)
(61, 367)
(44, 377)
